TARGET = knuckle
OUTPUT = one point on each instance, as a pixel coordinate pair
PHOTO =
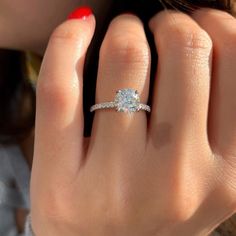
(182, 204)
(53, 95)
(181, 210)
(125, 49)
(50, 208)
(187, 37)
(180, 214)
(67, 31)
(212, 15)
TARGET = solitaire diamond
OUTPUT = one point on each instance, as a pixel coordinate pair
(127, 100)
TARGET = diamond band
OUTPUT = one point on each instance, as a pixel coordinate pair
(104, 105)
(126, 100)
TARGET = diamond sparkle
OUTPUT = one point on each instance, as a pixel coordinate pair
(127, 100)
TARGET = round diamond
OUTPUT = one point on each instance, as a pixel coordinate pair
(127, 100)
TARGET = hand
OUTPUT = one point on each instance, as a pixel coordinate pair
(172, 173)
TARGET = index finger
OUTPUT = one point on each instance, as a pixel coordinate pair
(59, 115)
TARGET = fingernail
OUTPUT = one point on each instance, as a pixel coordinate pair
(81, 13)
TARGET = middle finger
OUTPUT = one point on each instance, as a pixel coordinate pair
(182, 86)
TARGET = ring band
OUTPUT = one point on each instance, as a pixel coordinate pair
(126, 100)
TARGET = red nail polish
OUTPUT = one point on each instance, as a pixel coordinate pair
(80, 13)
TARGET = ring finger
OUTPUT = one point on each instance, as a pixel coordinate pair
(124, 63)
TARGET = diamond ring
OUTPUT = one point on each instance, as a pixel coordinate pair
(126, 100)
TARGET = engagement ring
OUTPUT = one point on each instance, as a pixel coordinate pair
(126, 100)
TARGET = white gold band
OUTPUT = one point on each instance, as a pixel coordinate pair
(109, 105)
(104, 105)
(126, 100)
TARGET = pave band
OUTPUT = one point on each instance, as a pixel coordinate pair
(126, 100)
(108, 105)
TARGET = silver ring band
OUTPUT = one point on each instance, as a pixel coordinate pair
(109, 105)
(126, 100)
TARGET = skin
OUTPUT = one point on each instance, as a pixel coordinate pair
(170, 173)
(28, 24)
(18, 32)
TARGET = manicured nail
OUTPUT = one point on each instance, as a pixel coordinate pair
(81, 13)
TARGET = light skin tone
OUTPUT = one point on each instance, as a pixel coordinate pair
(170, 173)
(28, 24)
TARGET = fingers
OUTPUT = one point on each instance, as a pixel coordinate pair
(124, 63)
(222, 115)
(59, 116)
(182, 85)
